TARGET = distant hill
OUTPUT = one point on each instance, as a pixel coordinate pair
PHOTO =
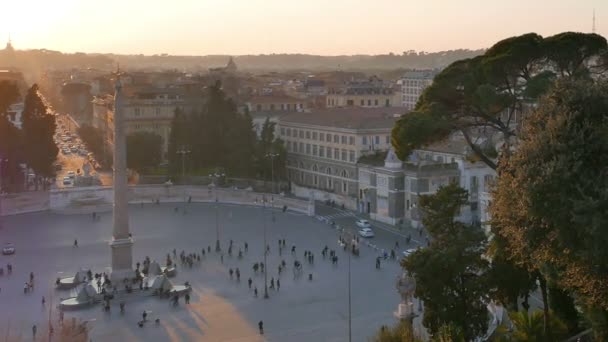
(407, 60)
(33, 62)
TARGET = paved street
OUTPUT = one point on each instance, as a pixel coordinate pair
(221, 309)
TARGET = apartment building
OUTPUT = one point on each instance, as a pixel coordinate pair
(367, 93)
(413, 83)
(323, 147)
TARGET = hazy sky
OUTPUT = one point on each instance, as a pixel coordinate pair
(327, 27)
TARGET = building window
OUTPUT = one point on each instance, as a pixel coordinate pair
(307, 134)
(314, 150)
(350, 103)
(322, 136)
(344, 187)
(387, 103)
(336, 153)
(289, 132)
(328, 151)
(328, 137)
(307, 148)
(289, 146)
(288, 106)
(336, 139)
(272, 106)
(314, 135)
(375, 102)
(282, 131)
(136, 111)
(362, 103)
(351, 156)
(369, 102)
(315, 180)
(321, 151)
(377, 140)
(364, 140)
(330, 184)
(343, 140)
(301, 148)
(258, 108)
(351, 140)
(387, 139)
(344, 155)
(157, 111)
(301, 134)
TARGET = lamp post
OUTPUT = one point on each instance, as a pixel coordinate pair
(350, 336)
(183, 151)
(214, 176)
(265, 250)
(271, 156)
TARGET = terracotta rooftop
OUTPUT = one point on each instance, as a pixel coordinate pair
(349, 118)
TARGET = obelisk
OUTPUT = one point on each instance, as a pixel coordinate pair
(122, 258)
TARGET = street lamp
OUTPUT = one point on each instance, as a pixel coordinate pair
(349, 293)
(183, 151)
(214, 176)
(265, 249)
(271, 156)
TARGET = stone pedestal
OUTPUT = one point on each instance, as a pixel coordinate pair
(121, 260)
(405, 311)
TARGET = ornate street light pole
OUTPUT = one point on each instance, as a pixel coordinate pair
(265, 248)
(183, 151)
(215, 176)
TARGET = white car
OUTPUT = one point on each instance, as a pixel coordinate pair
(8, 249)
(366, 232)
(361, 223)
(409, 252)
(67, 181)
(71, 174)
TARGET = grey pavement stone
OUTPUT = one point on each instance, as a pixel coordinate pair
(221, 309)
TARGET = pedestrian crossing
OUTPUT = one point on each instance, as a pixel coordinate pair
(336, 215)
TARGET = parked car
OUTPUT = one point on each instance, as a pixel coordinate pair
(67, 181)
(366, 232)
(361, 223)
(8, 249)
(71, 174)
(409, 252)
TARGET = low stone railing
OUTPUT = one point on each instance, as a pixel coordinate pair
(88, 199)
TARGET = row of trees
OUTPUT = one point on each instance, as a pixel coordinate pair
(33, 145)
(219, 137)
(546, 101)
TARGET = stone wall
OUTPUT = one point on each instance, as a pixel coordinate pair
(89, 199)
(320, 195)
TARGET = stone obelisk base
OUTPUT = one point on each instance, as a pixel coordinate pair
(121, 260)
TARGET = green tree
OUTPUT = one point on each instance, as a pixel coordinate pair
(38, 130)
(487, 93)
(143, 150)
(218, 137)
(401, 332)
(450, 273)
(528, 327)
(550, 203)
(268, 145)
(10, 139)
(9, 94)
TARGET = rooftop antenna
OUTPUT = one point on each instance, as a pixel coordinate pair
(593, 25)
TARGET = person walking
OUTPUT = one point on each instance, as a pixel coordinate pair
(255, 292)
(34, 330)
(249, 281)
(238, 274)
(144, 315)
(43, 301)
(231, 272)
(75, 243)
(278, 284)
(261, 327)
(187, 298)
